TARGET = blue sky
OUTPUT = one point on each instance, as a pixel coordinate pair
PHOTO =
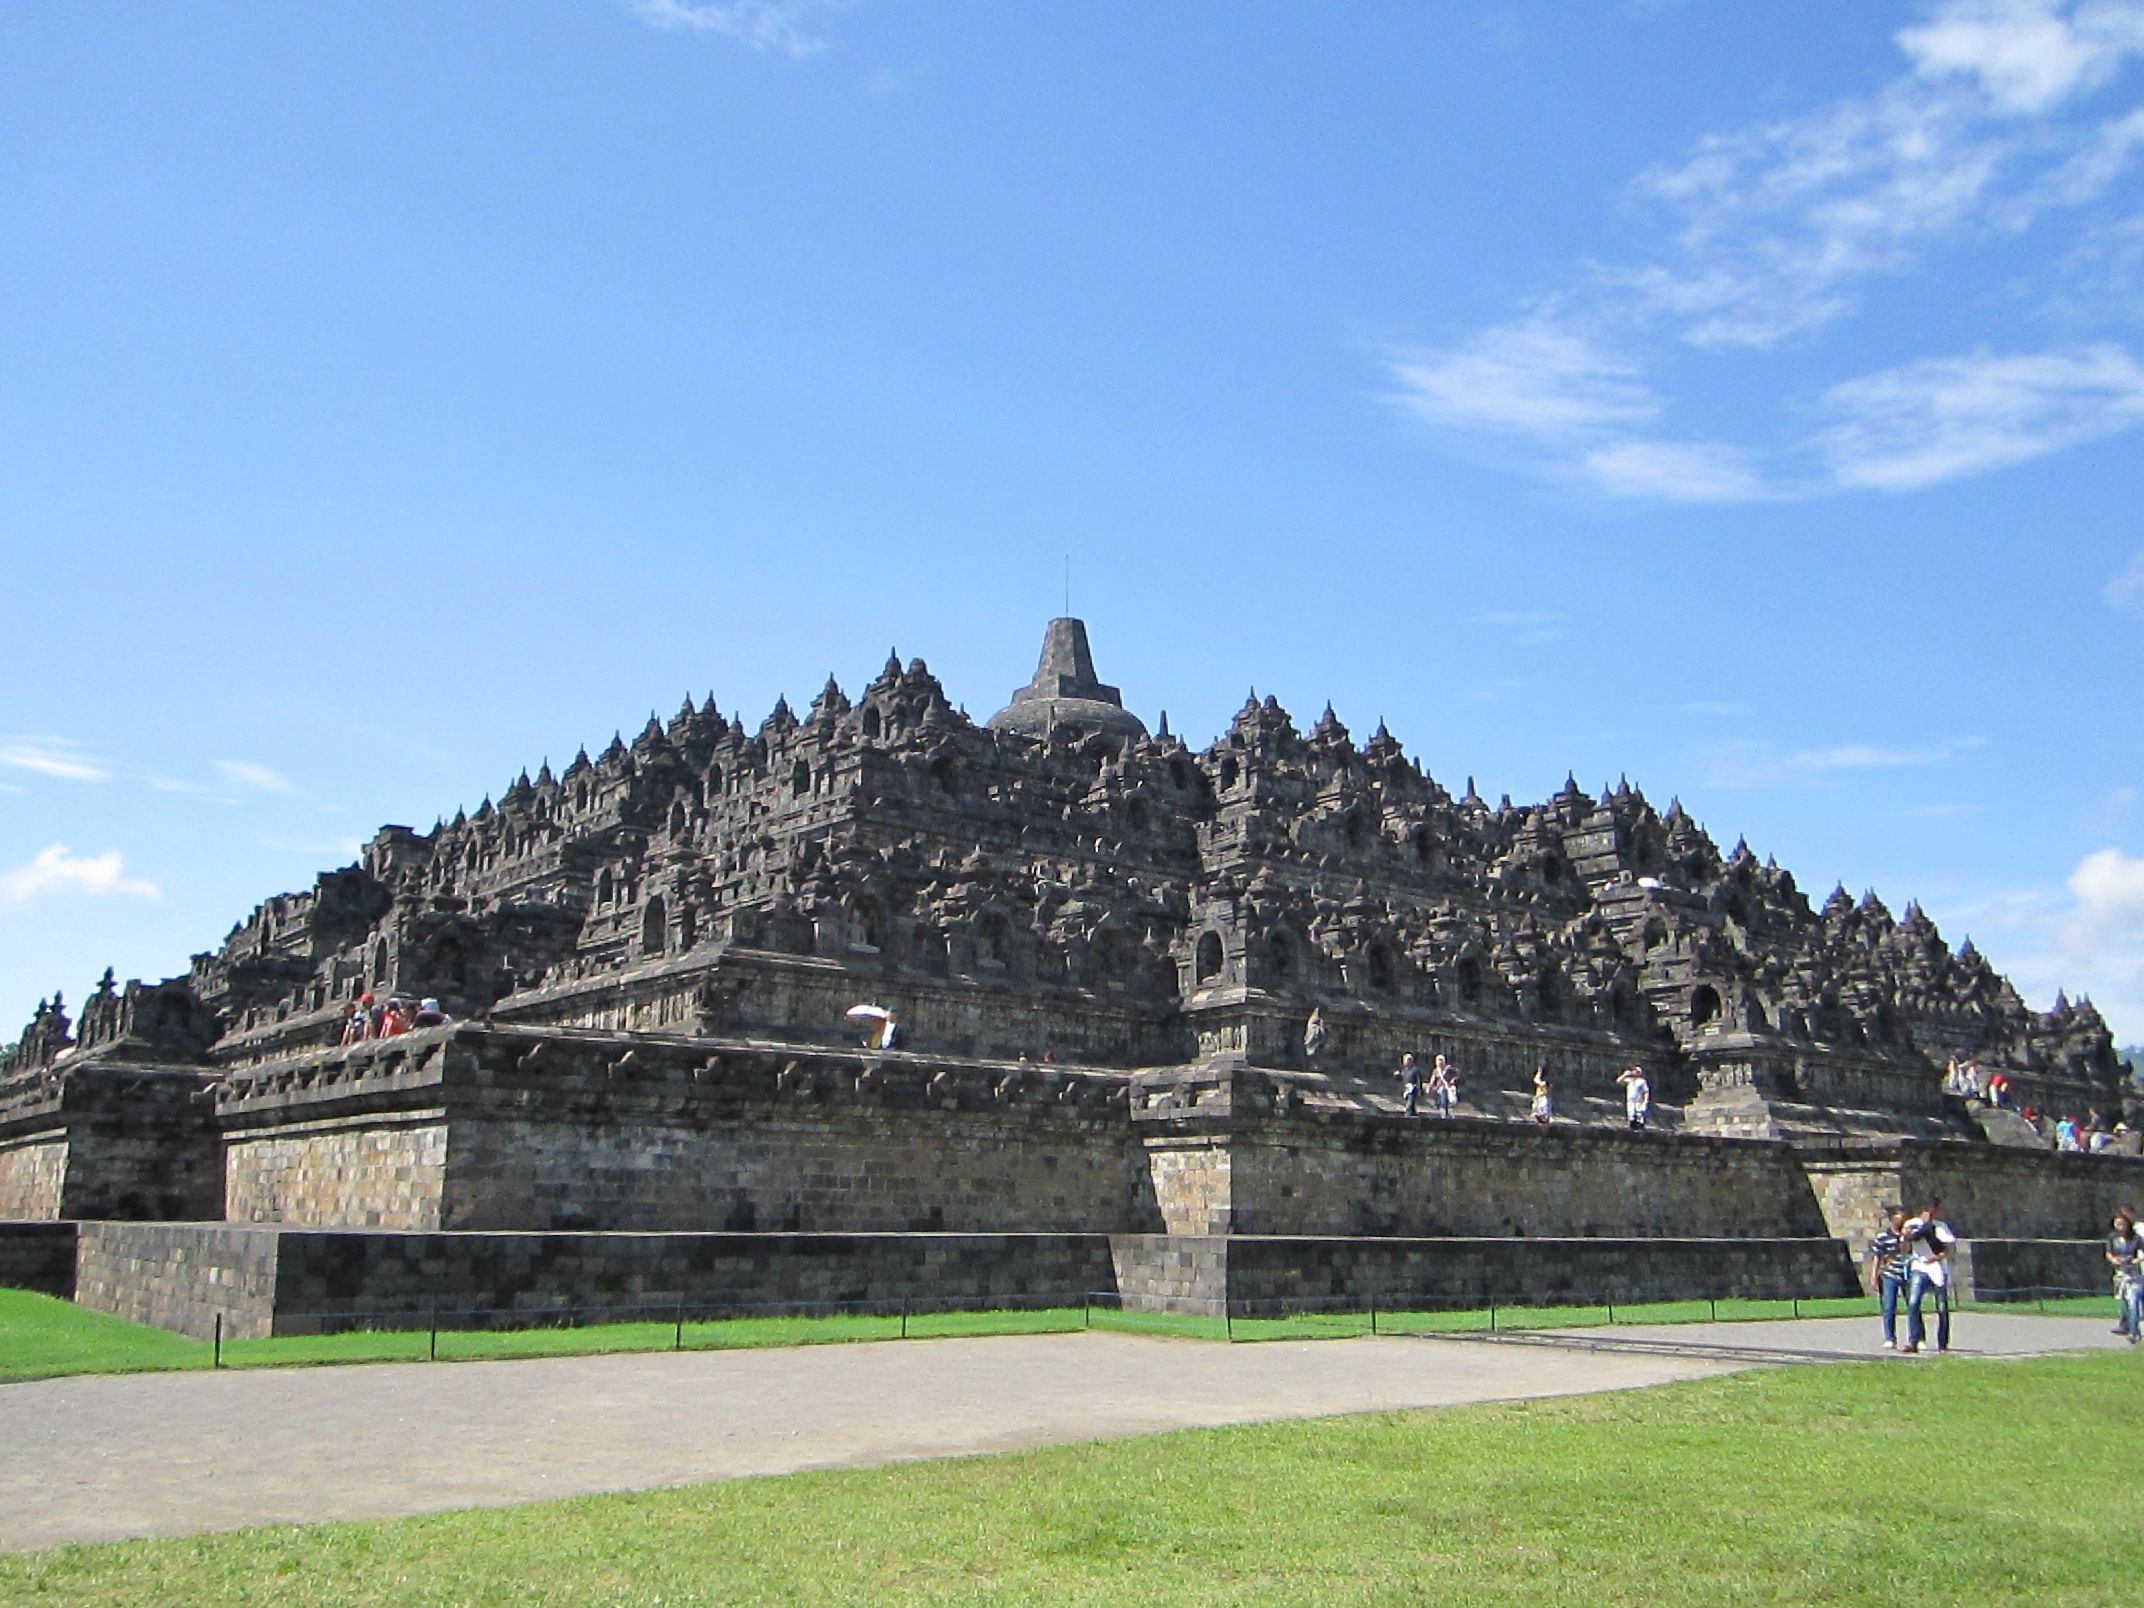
(1741, 398)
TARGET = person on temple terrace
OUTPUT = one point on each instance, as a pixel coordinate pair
(1887, 1270)
(1409, 1073)
(1929, 1242)
(1544, 1106)
(1637, 1096)
(1443, 1085)
(2125, 1254)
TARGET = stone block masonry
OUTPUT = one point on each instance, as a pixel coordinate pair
(265, 1281)
(38, 1256)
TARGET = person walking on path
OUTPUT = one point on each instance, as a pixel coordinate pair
(1930, 1241)
(2125, 1254)
(1443, 1085)
(1410, 1075)
(1637, 1097)
(1887, 1270)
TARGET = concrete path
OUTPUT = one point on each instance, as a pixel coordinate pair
(109, 1457)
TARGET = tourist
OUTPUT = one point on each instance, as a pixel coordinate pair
(1443, 1085)
(1544, 1106)
(1637, 1097)
(397, 1020)
(889, 1034)
(429, 1014)
(1953, 1080)
(2124, 1251)
(1969, 1079)
(1887, 1270)
(1410, 1076)
(1930, 1242)
(1999, 1088)
(357, 1020)
(2066, 1137)
(1314, 1035)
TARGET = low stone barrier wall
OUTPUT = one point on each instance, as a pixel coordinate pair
(265, 1280)
(1274, 1271)
(2017, 1269)
(179, 1275)
(38, 1256)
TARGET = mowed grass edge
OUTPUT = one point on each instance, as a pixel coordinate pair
(1977, 1481)
(42, 1337)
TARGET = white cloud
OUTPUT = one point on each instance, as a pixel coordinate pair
(2126, 590)
(251, 775)
(2084, 939)
(772, 27)
(1774, 232)
(56, 870)
(1942, 418)
(1758, 764)
(1679, 471)
(1532, 379)
(2026, 56)
(51, 757)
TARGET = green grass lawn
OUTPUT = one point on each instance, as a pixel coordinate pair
(41, 1337)
(1971, 1482)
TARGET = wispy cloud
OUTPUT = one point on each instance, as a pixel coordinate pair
(2025, 55)
(2126, 591)
(51, 756)
(1773, 234)
(772, 27)
(247, 774)
(1526, 625)
(1753, 764)
(1949, 417)
(1533, 379)
(58, 871)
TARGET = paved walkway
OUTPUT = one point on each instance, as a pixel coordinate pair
(102, 1458)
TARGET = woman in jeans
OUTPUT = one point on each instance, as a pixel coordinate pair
(2124, 1250)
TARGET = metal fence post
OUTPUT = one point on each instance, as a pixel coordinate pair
(1492, 1312)
(218, 1362)
(904, 1317)
(678, 1341)
(1086, 1310)
(433, 1356)
(1373, 1315)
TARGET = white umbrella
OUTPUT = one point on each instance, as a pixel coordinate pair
(868, 1013)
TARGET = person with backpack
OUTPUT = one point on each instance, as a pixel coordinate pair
(1929, 1242)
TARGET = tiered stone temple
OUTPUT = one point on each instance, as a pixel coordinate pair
(1103, 947)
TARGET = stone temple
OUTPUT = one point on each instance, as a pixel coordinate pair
(1103, 947)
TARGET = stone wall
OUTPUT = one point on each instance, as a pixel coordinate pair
(1988, 1192)
(827, 1169)
(374, 1172)
(2017, 1269)
(1220, 1164)
(38, 1256)
(180, 1275)
(1170, 1272)
(33, 1178)
(1267, 1273)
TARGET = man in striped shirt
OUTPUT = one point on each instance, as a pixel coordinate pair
(1887, 1270)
